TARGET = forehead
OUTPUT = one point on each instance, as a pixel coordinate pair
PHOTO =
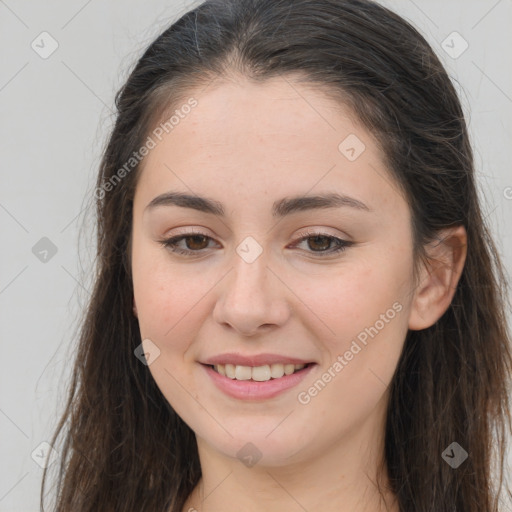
(280, 107)
(276, 136)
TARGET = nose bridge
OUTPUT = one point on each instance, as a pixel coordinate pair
(249, 297)
(249, 280)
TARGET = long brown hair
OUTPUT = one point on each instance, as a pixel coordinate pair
(125, 449)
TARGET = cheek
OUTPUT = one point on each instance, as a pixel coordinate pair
(168, 297)
(366, 309)
(169, 308)
(355, 297)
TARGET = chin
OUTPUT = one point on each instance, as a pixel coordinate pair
(259, 448)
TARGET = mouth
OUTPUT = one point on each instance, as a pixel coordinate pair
(257, 383)
(261, 373)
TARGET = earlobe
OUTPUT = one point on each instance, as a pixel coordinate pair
(439, 278)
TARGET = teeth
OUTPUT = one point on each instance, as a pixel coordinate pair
(261, 373)
(276, 371)
(230, 370)
(243, 372)
(289, 369)
(257, 373)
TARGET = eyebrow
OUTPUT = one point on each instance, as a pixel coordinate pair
(280, 208)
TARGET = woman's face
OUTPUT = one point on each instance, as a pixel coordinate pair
(280, 178)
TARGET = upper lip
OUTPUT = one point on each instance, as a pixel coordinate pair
(253, 360)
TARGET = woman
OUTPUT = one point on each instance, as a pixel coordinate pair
(298, 305)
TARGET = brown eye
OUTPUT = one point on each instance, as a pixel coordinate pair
(188, 244)
(196, 242)
(319, 243)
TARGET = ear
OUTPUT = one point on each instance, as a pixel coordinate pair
(438, 277)
(134, 308)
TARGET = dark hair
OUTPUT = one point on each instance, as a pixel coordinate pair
(125, 448)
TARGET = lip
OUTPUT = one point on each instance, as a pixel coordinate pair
(250, 390)
(254, 360)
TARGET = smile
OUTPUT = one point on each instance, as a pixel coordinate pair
(257, 383)
(257, 373)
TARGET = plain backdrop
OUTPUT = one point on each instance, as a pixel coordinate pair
(56, 111)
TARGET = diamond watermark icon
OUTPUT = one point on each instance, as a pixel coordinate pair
(249, 250)
(455, 45)
(147, 352)
(44, 250)
(454, 455)
(42, 453)
(351, 147)
(44, 45)
(249, 455)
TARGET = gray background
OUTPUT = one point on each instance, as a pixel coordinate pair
(55, 114)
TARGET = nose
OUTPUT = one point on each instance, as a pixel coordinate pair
(252, 298)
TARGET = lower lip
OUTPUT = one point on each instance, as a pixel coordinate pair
(253, 390)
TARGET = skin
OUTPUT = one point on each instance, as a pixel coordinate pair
(247, 145)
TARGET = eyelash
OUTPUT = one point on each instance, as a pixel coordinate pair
(171, 243)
